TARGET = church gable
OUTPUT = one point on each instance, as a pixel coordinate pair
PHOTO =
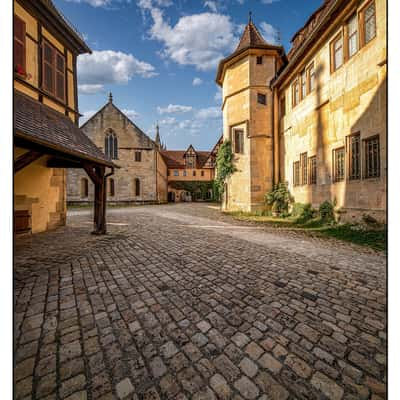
(112, 118)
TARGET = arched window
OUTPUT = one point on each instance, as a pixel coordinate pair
(111, 145)
(84, 187)
(137, 187)
(111, 188)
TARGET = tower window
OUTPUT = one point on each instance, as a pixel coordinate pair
(238, 141)
(261, 98)
(259, 60)
(138, 156)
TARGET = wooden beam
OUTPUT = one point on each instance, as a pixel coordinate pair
(100, 201)
(26, 159)
(91, 171)
(62, 163)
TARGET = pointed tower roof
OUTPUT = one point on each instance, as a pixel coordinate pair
(158, 139)
(251, 39)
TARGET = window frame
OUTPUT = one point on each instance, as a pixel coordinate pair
(111, 151)
(20, 41)
(138, 187)
(303, 169)
(361, 20)
(338, 37)
(259, 58)
(303, 84)
(55, 71)
(262, 96)
(138, 156)
(310, 67)
(296, 173)
(335, 177)
(295, 100)
(84, 188)
(350, 176)
(202, 173)
(312, 172)
(347, 37)
(176, 172)
(238, 149)
(111, 190)
(365, 142)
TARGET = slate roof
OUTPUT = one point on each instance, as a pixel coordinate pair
(251, 37)
(40, 124)
(175, 158)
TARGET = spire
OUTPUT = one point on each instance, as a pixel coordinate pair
(158, 139)
(110, 98)
(251, 36)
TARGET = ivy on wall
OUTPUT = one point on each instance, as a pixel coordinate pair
(224, 165)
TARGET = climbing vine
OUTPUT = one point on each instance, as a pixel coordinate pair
(224, 165)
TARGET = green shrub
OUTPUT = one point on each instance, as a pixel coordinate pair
(279, 198)
(327, 211)
(303, 212)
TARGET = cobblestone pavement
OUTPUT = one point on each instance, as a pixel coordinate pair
(177, 302)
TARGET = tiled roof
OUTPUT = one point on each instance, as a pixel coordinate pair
(38, 123)
(175, 158)
(251, 38)
(315, 18)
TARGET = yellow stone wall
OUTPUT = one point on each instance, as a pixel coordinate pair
(30, 85)
(208, 174)
(40, 190)
(242, 82)
(349, 100)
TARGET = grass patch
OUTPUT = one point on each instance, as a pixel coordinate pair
(372, 237)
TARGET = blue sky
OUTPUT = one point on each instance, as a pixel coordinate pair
(159, 57)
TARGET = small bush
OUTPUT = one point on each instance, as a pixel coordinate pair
(327, 211)
(279, 198)
(303, 212)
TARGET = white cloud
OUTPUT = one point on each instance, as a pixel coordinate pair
(270, 34)
(269, 1)
(201, 40)
(218, 96)
(209, 113)
(212, 5)
(85, 116)
(168, 121)
(174, 109)
(197, 81)
(93, 3)
(109, 66)
(131, 114)
(90, 89)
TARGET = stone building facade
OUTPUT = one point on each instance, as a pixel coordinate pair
(190, 173)
(142, 176)
(314, 118)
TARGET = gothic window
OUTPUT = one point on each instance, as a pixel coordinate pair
(338, 164)
(137, 187)
(84, 187)
(111, 188)
(111, 145)
(354, 147)
(372, 157)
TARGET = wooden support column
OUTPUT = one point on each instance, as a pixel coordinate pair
(97, 175)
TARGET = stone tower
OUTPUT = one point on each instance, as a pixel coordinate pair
(247, 107)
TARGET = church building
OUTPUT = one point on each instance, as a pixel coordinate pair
(315, 117)
(142, 176)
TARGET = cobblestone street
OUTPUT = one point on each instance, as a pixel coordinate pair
(179, 302)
